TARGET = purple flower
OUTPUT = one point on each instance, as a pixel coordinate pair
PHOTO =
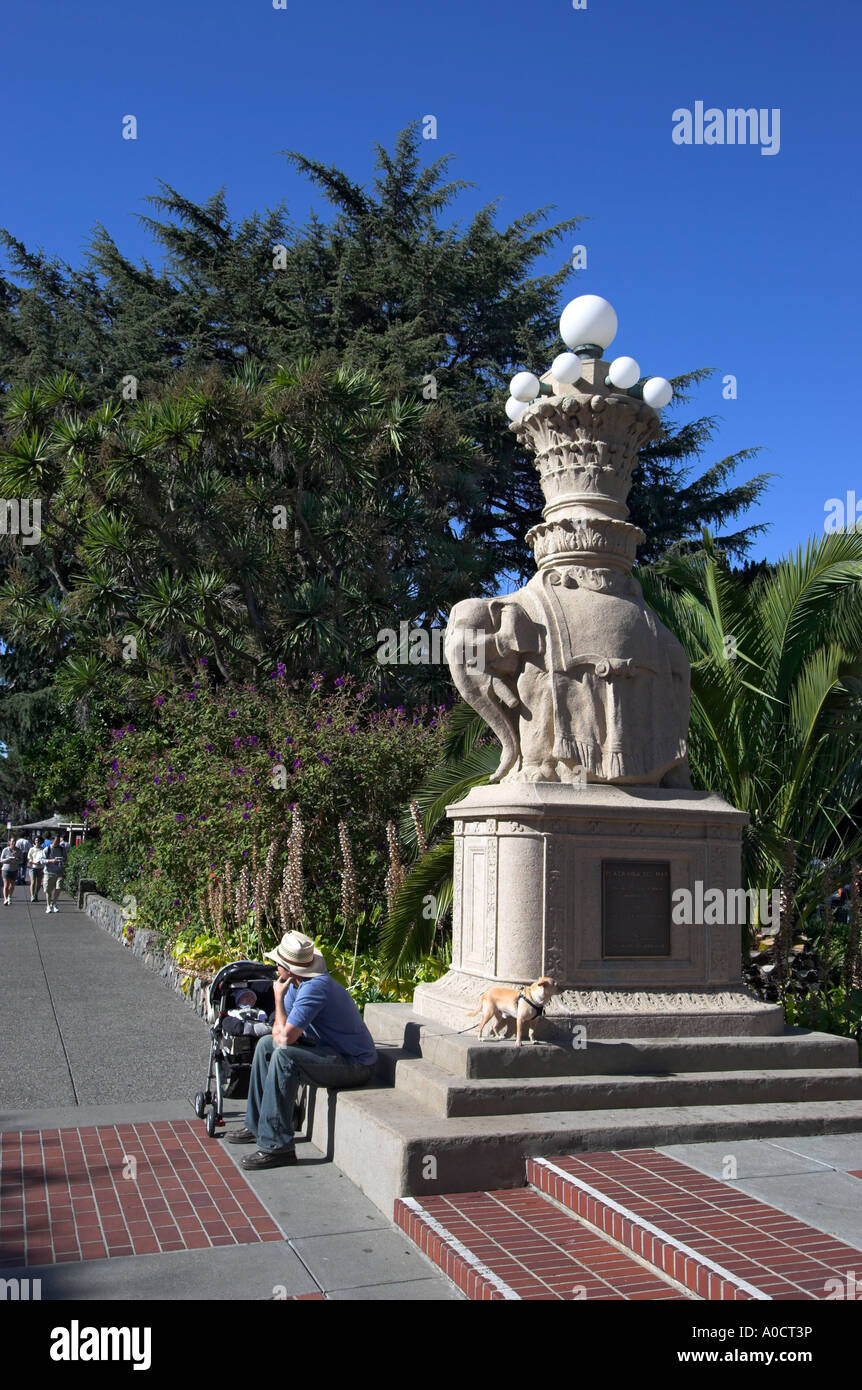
(232, 714)
(297, 762)
(179, 816)
(229, 806)
(208, 747)
(339, 681)
(248, 805)
(237, 742)
(202, 661)
(245, 815)
(352, 729)
(158, 781)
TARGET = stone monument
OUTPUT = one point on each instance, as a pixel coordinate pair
(566, 864)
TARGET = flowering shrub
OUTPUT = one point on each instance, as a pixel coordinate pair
(193, 802)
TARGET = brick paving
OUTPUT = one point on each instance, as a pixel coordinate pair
(779, 1256)
(72, 1194)
(535, 1250)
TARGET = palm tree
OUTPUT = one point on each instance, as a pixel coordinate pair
(776, 717)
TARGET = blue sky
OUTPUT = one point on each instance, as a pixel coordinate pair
(713, 255)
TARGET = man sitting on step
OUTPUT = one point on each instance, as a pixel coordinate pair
(318, 1036)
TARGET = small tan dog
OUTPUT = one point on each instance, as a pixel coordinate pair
(525, 1006)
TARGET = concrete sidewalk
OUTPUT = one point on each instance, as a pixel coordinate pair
(97, 1051)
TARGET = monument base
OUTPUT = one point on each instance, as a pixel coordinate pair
(580, 883)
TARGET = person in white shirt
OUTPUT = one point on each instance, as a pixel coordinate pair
(37, 869)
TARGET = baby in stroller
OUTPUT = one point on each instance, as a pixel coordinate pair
(241, 1011)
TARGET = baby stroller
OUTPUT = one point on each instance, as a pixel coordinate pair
(235, 1031)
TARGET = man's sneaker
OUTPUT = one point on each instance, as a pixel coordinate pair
(276, 1158)
(48, 908)
(54, 907)
(242, 1136)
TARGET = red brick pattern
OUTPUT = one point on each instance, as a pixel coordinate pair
(776, 1254)
(536, 1249)
(63, 1195)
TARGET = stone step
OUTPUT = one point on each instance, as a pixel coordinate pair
(391, 1146)
(396, 1026)
(447, 1095)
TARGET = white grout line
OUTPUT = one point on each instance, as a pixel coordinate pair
(656, 1231)
(460, 1249)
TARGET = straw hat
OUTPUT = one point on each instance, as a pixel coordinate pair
(298, 954)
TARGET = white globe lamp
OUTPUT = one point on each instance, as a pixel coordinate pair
(657, 392)
(515, 409)
(525, 386)
(624, 372)
(589, 323)
(567, 367)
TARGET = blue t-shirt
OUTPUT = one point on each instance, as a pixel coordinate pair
(328, 1017)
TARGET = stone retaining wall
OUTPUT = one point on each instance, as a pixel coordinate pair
(144, 944)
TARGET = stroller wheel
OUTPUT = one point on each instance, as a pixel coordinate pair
(212, 1122)
(200, 1105)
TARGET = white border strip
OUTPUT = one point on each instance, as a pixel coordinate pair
(656, 1231)
(455, 1244)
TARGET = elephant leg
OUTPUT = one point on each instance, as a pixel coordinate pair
(536, 727)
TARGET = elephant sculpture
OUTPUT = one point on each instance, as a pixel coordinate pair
(577, 677)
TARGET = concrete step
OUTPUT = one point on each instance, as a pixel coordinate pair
(447, 1095)
(391, 1146)
(399, 1031)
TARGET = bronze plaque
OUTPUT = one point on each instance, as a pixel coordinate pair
(635, 908)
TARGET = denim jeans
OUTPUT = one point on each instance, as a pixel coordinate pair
(276, 1076)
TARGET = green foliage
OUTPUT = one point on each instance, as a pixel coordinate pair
(776, 711)
(105, 866)
(289, 521)
(364, 975)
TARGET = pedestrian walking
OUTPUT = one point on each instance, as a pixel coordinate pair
(23, 847)
(54, 863)
(37, 870)
(9, 868)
